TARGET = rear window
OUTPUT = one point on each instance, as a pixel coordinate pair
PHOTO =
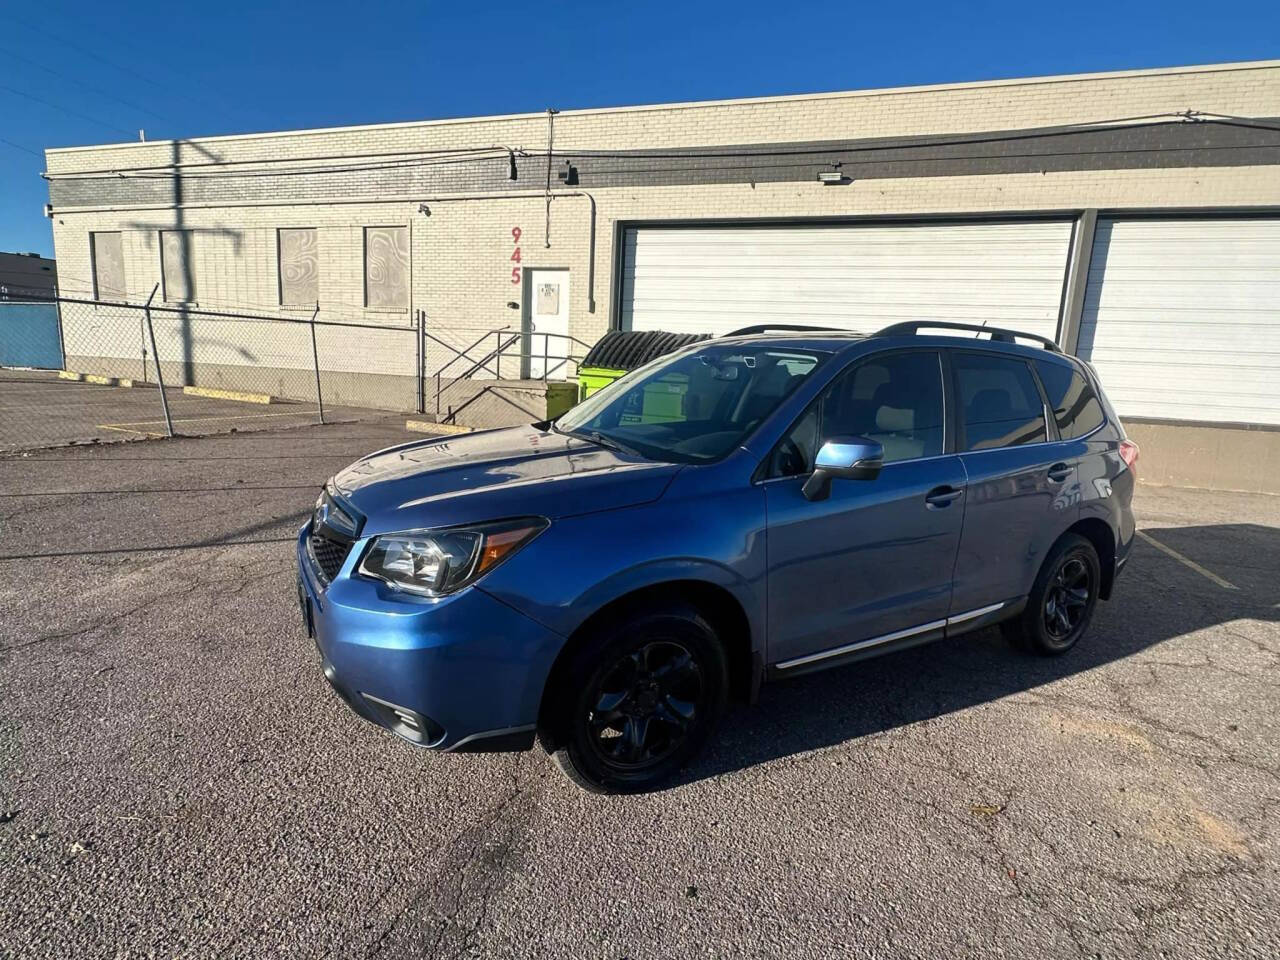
(1075, 405)
(999, 401)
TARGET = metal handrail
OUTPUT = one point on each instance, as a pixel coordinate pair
(463, 353)
(466, 375)
(495, 356)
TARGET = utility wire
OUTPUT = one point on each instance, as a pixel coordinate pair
(67, 110)
(770, 158)
(88, 86)
(88, 52)
(297, 171)
(433, 158)
(401, 154)
(490, 154)
(18, 146)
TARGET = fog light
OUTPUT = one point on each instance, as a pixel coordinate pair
(405, 722)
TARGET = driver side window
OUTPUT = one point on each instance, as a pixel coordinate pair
(894, 399)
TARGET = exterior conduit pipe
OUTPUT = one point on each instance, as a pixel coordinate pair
(340, 159)
(532, 195)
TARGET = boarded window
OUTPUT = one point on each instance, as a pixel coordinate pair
(177, 266)
(299, 267)
(386, 267)
(108, 266)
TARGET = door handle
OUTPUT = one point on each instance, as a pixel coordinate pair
(1060, 472)
(940, 497)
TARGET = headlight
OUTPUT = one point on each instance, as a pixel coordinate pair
(437, 562)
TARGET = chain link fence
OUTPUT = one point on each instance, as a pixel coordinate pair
(80, 370)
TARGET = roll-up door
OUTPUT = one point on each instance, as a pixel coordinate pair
(852, 276)
(1182, 318)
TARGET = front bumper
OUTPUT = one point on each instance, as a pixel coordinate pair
(460, 672)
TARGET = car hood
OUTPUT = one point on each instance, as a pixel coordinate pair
(519, 471)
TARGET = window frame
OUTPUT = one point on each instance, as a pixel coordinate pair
(1077, 369)
(760, 475)
(1046, 413)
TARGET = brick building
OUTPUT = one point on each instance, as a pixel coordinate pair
(1134, 216)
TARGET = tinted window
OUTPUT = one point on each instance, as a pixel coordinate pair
(1075, 405)
(999, 402)
(896, 400)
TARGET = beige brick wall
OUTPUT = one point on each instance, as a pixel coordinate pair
(461, 251)
(1248, 89)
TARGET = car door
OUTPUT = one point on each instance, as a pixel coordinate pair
(1022, 489)
(875, 559)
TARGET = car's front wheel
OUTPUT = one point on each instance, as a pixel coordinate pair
(1062, 600)
(640, 698)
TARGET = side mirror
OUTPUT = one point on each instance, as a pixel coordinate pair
(851, 458)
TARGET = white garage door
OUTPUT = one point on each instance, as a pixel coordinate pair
(1182, 318)
(858, 277)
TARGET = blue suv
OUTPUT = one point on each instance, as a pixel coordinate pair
(749, 508)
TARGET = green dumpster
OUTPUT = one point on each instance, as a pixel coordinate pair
(619, 352)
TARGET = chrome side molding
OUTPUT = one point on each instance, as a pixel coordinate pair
(890, 637)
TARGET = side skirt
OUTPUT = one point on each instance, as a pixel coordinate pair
(899, 640)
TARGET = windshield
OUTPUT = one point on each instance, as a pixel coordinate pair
(691, 407)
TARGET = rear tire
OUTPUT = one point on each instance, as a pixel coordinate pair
(640, 698)
(1061, 601)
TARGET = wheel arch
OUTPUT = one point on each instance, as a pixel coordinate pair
(1099, 533)
(714, 601)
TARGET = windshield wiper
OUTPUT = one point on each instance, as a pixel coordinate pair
(601, 440)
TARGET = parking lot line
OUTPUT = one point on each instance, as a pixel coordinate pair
(124, 429)
(1188, 562)
(245, 416)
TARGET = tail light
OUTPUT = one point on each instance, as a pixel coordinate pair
(1129, 453)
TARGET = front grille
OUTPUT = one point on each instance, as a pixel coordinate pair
(327, 555)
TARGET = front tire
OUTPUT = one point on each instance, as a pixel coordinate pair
(1062, 599)
(640, 699)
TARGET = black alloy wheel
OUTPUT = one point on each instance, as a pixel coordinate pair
(1067, 599)
(641, 695)
(645, 705)
(1061, 601)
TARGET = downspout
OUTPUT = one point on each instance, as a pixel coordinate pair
(551, 140)
(530, 195)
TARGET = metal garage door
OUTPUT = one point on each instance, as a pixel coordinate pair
(859, 277)
(1182, 318)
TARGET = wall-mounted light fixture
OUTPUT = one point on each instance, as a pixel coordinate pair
(833, 176)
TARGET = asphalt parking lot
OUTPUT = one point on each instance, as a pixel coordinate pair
(176, 778)
(38, 409)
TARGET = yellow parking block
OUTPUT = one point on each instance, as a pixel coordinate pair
(95, 378)
(228, 395)
(426, 426)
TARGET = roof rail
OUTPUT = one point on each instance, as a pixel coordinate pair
(766, 327)
(999, 334)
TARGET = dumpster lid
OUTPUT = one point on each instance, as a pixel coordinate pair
(628, 349)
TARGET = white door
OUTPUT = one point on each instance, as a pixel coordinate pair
(1182, 318)
(852, 276)
(548, 342)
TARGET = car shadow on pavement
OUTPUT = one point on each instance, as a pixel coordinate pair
(1158, 597)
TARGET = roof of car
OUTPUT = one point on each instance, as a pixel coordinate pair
(907, 334)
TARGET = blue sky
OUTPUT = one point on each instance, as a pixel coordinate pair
(76, 72)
